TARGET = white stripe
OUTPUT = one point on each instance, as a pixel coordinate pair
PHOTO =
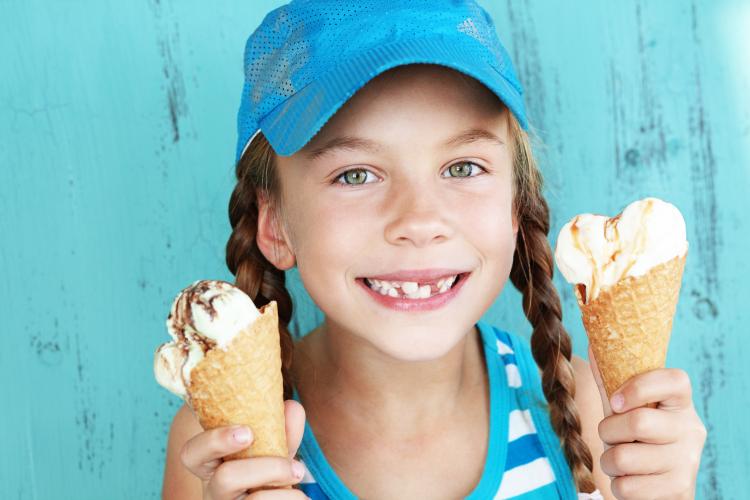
(503, 348)
(520, 424)
(524, 478)
(514, 376)
(308, 477)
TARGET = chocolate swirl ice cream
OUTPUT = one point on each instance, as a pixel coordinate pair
(206, 315)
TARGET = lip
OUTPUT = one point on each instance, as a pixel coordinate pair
(417, 275)
(417, 305)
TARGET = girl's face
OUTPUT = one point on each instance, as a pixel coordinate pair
(410, 181)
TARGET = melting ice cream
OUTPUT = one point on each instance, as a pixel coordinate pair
(595, 251)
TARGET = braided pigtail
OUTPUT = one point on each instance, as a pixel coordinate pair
(531, 274)
(254, 274)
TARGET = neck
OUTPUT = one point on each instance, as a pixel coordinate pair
(351, 380)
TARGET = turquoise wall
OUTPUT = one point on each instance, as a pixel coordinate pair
(116, 145)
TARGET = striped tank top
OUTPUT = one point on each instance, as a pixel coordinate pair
(524, 460)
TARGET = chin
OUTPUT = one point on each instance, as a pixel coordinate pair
(414, 344)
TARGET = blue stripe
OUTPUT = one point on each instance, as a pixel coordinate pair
(503, 337)
(313, 491)
(509, 359)
(514, 405)
(523, 450)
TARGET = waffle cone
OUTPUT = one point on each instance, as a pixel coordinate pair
(243, 386)
(629, 324)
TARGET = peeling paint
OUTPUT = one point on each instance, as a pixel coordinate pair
(526, 57)
(174, 83)
(705, 246)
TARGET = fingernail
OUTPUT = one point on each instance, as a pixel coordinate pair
(298, 470)
(617, 402)
(242, 435)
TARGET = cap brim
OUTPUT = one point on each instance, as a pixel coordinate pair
(290, 125)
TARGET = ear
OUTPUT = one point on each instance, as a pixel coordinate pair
(271, 238)
(514, 222)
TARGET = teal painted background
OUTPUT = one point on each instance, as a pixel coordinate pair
(116, 144)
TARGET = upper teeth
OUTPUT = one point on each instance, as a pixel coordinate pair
(410, 289)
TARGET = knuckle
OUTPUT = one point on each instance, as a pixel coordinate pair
(639, 421)
(637, 391)
(282, 469)
(680, 380)
(186, 454)
(702, 432)
(626, 488)
(603, 461)
(216, 441)
(621, 487)
(602, 429)
(221, 477)
(676, 487)
(683, 486)
(620, 458)
(693, 458)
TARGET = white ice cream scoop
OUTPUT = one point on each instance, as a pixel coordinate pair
(595, 251)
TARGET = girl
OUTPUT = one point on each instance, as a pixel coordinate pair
(383, 152)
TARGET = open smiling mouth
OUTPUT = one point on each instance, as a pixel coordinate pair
(414, 290)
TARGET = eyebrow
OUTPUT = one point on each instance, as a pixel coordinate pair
(353, 143)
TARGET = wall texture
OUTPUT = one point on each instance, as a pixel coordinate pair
(116, 145)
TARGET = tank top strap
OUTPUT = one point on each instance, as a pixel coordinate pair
(533, 398)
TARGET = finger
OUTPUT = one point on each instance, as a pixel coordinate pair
(645, 425)
(629, 459)
(598, 378)
(294, 415)
(667, 388)
(278, 495)
(655, 486)
(234, 477)
(202, 454)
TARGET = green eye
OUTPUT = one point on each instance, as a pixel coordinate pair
(462, 169)
(355, 176)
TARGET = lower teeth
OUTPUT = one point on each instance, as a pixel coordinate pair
(393, 292)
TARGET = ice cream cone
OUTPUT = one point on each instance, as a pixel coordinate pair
(243, 385)
(629, 323)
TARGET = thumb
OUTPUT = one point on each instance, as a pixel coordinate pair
(294, 415)
(598, 378)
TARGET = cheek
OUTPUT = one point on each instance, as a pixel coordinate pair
(491, 223)
(328, 234)
(492, 233)
(327, 241)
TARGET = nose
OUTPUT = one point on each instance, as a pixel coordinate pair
(418, 218)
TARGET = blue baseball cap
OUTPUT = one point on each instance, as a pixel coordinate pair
(307, 58)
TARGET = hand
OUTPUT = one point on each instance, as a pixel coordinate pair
(651, 452)
(244, 478)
